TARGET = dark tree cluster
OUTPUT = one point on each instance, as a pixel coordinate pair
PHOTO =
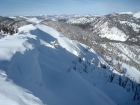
(136, 94)
(111, 77)
(128, 84)
(103, 66)
(85, 67)
(9, 30)
(134, 87)
(5, 30)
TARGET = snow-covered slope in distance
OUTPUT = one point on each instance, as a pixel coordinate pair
(65, 73)
(112, 33)
(129, 53)
(137, 15)
(81, 20)
(31, 19)
(121, 26)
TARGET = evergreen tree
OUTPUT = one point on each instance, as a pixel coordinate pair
(118, 66)
(17, 30)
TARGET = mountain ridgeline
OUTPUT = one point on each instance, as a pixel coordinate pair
(89, 31)
(117, 35)
(70, 60)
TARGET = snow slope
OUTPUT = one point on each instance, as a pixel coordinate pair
(137, 15)
(11, 94)
(62, 74)
(112, 33)
(31, 19)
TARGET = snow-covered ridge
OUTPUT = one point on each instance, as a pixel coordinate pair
(31, 19)
(129, 12)
(56, 71)
(32, 59)
(135, 14)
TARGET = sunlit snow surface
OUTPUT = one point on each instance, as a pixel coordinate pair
(11, 94)
(34, 72)
(112, 33)
(137, 15)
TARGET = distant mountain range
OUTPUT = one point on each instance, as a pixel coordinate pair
(110, 31)
(121, 26)
(70, 60)
(117, 26)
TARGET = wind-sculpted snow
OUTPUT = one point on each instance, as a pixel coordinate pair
(11, 94)
(64, 72)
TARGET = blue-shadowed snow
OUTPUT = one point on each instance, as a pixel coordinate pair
(40, 66)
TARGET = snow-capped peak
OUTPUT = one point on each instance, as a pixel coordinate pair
(137, 15)
(129, 12)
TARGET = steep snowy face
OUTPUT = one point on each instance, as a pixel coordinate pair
(45, 67)
(41, 60)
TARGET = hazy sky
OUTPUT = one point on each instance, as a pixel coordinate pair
(37, 7)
